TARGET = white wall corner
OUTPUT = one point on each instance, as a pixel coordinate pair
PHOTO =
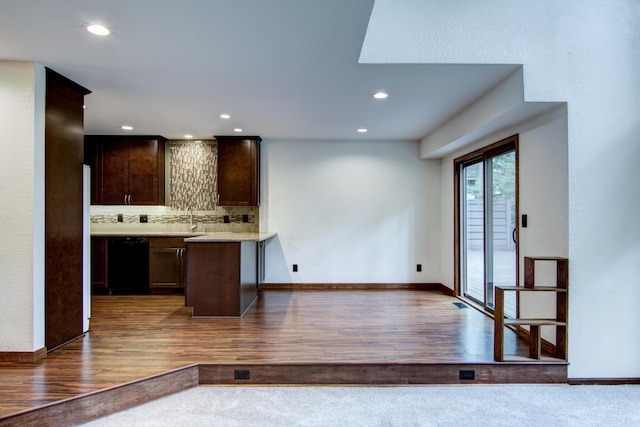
(39, 261)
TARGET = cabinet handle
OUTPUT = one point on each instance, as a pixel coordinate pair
(125, 199)
(218, 198)
(129, 198)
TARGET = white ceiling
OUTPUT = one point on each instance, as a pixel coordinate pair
(284, 69)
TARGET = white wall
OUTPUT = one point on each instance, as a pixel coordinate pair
(350, 212)
(22, 88)
(587, 54)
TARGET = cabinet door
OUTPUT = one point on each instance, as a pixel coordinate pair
(165, 268)
(166, 262)
(143, 172)
(113, 161)
(238, 170)
(126, 170)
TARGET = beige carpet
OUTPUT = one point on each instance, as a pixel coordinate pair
(491, 405)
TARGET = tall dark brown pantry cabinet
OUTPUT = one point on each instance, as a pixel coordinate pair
(64, 127)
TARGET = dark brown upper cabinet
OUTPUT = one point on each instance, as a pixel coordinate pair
(238, 170)
(126, 170)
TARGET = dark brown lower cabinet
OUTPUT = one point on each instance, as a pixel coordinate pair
(166, 263)
(99, 265)
(221, 278)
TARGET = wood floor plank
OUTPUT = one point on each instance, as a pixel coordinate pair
(132, 337)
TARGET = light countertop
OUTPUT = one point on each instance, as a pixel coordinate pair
(150, 233)
(230, 237)
(196, 237)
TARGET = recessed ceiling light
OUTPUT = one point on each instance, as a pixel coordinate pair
(237, 130)
(188, 136)
(98, 29)
(362, 130)
(380, 95)
(225, 116)
(126, 127)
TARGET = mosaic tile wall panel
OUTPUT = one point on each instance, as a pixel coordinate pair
(222, 219)
(227, 216)
(193, 174)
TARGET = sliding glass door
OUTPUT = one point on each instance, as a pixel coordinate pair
(473, 232)
(487, 221)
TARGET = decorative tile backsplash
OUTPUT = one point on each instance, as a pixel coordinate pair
(176, 219)
(237, 219)
(193, 174)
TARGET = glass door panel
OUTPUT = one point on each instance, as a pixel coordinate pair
(501, 229)
(473, 231)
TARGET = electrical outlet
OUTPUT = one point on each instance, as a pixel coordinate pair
(226, 219)
(120, 219)
(419, 268)
(241, 374)
(144, 218)
(469, 374)
(245, 218)
(295, 268)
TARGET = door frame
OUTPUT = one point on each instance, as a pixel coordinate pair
(510, 143)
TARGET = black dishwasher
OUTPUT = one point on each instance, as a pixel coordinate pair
(128, 266)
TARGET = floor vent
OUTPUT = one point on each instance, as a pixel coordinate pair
(460, 305)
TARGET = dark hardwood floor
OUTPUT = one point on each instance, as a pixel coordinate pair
(132, 337)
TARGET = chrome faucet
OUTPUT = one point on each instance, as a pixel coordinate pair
(192, 225)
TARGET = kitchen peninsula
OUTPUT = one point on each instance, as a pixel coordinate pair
(223, 272)
(220, 272)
